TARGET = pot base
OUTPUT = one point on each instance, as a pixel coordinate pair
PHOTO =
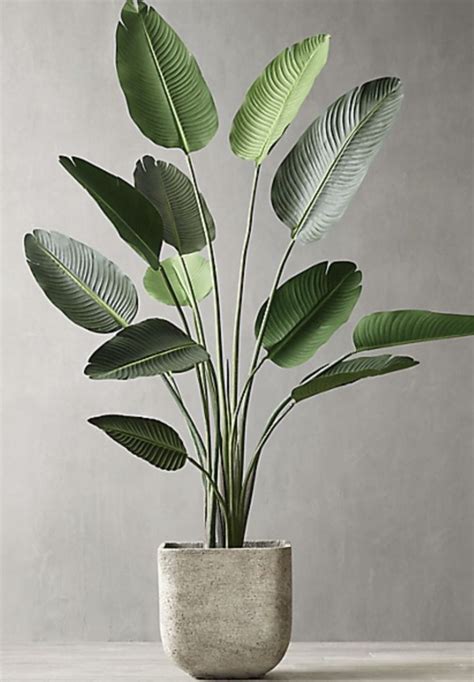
(225, 613)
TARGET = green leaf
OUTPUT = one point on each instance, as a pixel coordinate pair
(399, 327)
(307, 309)
(166, 94)
(349, 371)
(87, 287)
(199, 273)
(145, 349)
(274, 99)
(172, 193)
(317, 180)
(155, 442)
(136, 219)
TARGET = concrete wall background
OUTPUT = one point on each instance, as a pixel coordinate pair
(372, 484)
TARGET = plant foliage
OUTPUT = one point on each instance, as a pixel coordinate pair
(170, 102)
(155, 442)
(166, 94)
(87, 287)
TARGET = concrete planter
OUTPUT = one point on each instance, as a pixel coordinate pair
(225, 613)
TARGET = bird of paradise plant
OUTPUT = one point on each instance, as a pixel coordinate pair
(169, 101)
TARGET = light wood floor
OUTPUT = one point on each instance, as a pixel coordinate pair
(144, 662)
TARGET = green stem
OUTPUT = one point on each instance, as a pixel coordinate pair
(277, 416)
(200, 374)
(254, 363)
(240, 289)
(221, 390)
(215, 288)
(176, 303)
(210, 503)
(193, 429)
(213, 485)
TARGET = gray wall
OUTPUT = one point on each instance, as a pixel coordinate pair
(372, 484)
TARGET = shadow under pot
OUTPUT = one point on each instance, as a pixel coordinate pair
(225, 613)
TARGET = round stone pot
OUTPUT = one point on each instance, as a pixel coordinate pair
(225, 613)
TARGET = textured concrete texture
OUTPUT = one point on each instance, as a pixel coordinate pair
(372, 483)
(225, 613)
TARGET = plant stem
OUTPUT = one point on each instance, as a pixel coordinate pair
(215, 288)
(240, 290)
(205, 378)
(176, 303)
(213, 485)
(283, 409)
(193, 429)
(221, 389)
(254, 363)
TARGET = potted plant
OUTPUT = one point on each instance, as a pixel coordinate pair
(225, 604)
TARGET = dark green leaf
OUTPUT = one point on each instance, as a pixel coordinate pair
(136, 219)
(399, 327)
(307, 309)
(172, 193)
(349, 371)
(89, 289)
(155, 442)
(166, 94)
(145, 349)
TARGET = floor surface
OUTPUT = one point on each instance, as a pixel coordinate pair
(311, 662)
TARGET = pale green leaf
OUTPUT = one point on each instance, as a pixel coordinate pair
(181, 273)
(274, 99)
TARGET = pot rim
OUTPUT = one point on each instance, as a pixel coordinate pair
(249, 546)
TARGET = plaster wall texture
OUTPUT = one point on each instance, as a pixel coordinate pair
(372, 484)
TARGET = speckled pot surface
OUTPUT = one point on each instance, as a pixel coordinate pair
(225, 613)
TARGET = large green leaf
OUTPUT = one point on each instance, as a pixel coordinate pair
(136, 219)
(317, 180)
(152, 440)
(172, 193)
(166, 94)
(145, 349)
(307, 309)
(198, 270)
(274, 99)
(83, 284)
(399, 327)
(349, 371)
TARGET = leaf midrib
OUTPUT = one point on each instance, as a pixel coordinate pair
(146, 440)
(83, 286)
(307, 320)
(151, 49)
(297, 229)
